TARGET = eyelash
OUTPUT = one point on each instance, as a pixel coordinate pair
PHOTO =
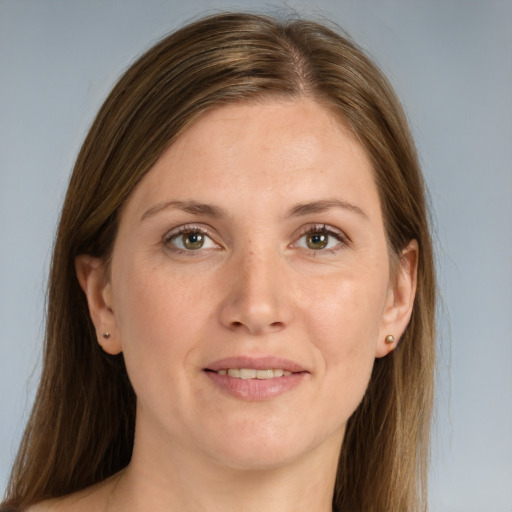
(185, 230)
(343, 240)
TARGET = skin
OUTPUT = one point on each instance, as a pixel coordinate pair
(259, 286)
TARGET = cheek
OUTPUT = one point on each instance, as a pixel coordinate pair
(155, 303)
(343, 318)
(345, 312)
(156, 314)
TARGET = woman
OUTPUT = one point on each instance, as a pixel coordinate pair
(241, 299)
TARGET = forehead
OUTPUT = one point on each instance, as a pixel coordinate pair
(296, 131)
(274, 150)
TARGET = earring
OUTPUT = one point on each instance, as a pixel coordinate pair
(106, 335)
(390, 339)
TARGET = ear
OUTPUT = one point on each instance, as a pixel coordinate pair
(97, 288)
(400, 300)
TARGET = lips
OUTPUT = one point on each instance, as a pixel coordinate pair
(256, 363)
(251, 373)
(255, 378)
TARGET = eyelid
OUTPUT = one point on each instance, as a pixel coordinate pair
(342, 238)
(184, 229)
(338, 234)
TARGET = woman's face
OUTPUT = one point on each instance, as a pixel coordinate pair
(249, 287)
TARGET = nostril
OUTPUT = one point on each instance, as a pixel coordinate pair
(273, 326)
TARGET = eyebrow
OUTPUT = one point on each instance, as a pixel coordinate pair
(324, 205)
(187, 206)
(298, 210)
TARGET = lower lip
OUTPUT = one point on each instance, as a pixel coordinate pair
(256, 389)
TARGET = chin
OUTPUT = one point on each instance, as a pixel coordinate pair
(271, 450)
(258, 460)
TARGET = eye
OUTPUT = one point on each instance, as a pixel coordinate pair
(322, 238)
(189, 239)
(317, 240)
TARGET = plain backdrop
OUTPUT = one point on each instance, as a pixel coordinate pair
(451, 64)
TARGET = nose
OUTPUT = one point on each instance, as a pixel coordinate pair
(257, 298)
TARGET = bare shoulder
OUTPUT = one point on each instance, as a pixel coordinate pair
(44, 506)
(92, 498)
(69, 503)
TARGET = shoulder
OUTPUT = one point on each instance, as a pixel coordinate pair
(86, 500)
(44, 506)
(65, 504)
(40, 507)
(71, 503)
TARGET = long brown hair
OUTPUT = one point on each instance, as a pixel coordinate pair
(82, 424)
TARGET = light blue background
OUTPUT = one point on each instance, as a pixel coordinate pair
(451, 63)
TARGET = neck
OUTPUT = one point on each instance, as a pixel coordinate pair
(183, 482)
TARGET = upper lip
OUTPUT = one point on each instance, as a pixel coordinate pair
(256, 363)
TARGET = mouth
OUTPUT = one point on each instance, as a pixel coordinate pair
(253, 379)
(247, 367)
(251, 373)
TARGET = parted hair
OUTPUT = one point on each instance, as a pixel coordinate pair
(81, 428)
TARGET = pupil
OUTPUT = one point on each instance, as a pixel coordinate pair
(193, 241)
(317, 241)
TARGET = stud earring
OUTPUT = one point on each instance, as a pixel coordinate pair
(106, 335)
(390, 339)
